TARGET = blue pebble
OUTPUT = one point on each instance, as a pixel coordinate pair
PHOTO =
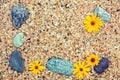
(16, 61)
(102, 66)
(19, 15)
(60, 66)
(103, 14)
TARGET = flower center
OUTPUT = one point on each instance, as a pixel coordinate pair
(36, 67)
(92, 23)
(81, 69)
(92, 60)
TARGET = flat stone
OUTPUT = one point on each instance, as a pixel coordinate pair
(60, 66)
(18, 40)
(16, 61)
(103, 14)
(102, 66)
(19, 15)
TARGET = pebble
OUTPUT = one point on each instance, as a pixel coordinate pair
(18, 40)
(19, 15)
(67, 5)
(118, 10)
(1, 1)
(16, 61)
(60, 66)
(102, 66)
(103, 14)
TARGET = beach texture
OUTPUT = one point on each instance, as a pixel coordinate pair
(55, 29)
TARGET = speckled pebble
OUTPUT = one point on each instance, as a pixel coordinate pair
(16, 61)
(103, 14)
(18, 40)
(19, 15)
(102, 66)
(60, 66)
(67, 5)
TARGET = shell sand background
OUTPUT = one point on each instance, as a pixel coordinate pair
(55, 30)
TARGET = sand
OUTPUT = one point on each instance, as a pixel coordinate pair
(55, 28)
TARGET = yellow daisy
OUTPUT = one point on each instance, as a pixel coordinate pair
(81, 70)
(92, 60)
(35, 67)
(93, 23)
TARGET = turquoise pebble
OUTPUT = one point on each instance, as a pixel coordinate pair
(60, 66)
(18, 40)
(103, 14)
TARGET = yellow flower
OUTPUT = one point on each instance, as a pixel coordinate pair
(92, 60)
(36, 67)
(81, 70)
(93, 23)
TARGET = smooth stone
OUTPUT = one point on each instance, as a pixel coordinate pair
(102, 66)
(103, 14)
(1, 1)
(60, 66)
(19, 15)
(18, 40)
(16, 61)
